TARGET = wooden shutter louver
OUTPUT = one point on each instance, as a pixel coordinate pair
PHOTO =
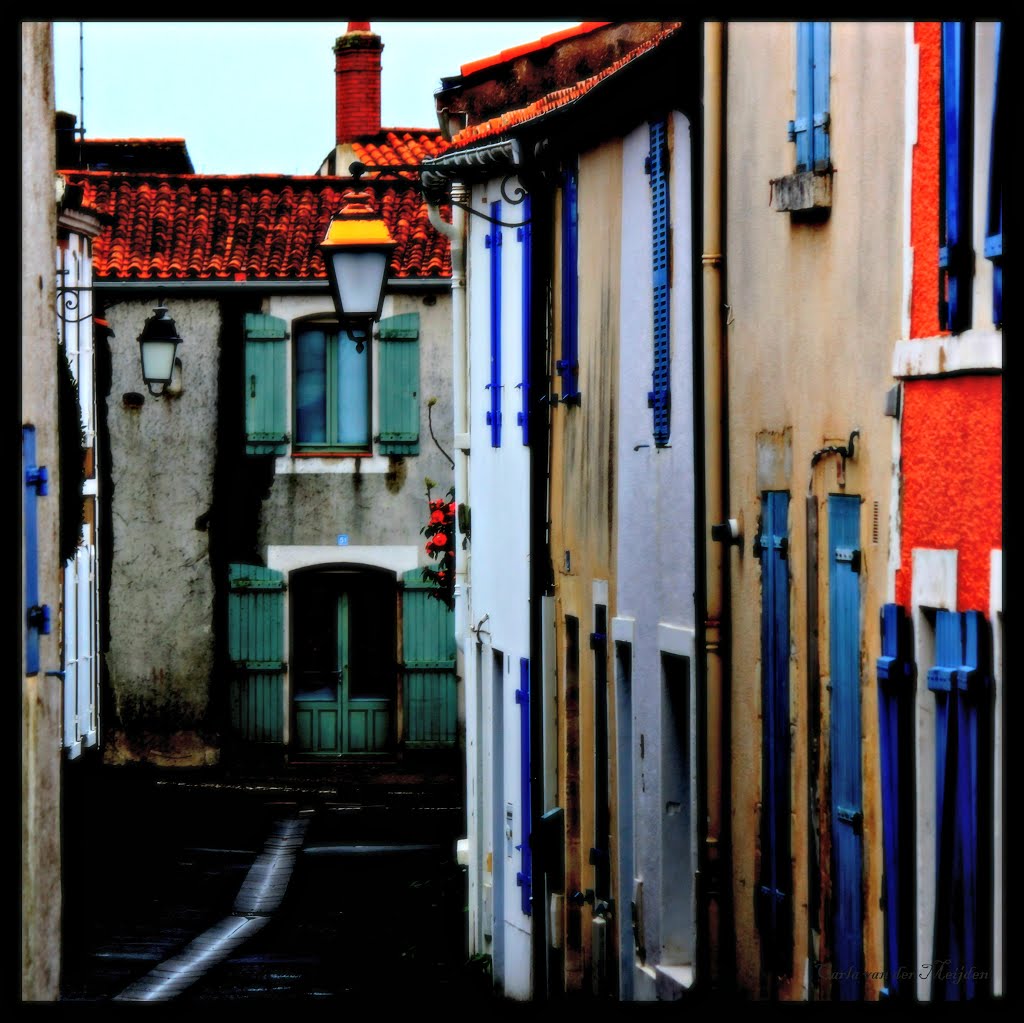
(399, 385)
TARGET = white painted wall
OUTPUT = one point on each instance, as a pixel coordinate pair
(655, 546)
(499, 582)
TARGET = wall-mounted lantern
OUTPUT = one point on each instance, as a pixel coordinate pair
(158, 345)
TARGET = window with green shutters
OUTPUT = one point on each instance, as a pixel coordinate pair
(331, 389)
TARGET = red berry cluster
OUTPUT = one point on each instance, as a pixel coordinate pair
(440, 546)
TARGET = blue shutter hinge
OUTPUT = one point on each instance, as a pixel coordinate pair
(565, 366)
(573, 399)
(855, 818)
(892, 669)
(598, 639)
(39, 618)
(970, 679)
(487, 241)
(59, 673)
(791, 131)
(661, 398)
(522, 697)
(38, 477)
(771, 893)
(940, 679)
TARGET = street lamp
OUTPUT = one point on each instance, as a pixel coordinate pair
(356, 250)
(158, 344)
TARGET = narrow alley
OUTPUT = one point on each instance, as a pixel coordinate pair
(216, 888)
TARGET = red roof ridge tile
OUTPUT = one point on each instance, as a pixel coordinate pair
(539, 44)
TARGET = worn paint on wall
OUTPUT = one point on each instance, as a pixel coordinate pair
(813, 309)
(582, 499)
(952, 479)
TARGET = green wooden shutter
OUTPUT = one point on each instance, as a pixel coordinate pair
(399, 389)
(428, 672)
(256, 651)
(265, 385)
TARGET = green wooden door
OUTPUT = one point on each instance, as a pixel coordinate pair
(255, 648)
(428, 672)
(340, 691)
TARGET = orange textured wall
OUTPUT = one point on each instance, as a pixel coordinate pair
(924, 210)
(953, 479)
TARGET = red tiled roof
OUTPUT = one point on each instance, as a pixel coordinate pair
(258, 227)
(505, 122)
(396, 147)
(539, 44)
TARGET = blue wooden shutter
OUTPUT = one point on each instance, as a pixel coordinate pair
(35, 478)
(961, 683)
(524, 877)
(955, 253)
(568, 365)
(822, 44)
(810, 128)
(895, 670)
(659, 399)
(773, 894)
(994, 230)
(399, 370)
(428, 668)
(265, 385)
(256, 651)
(845, 742)
(523, 235)
(493, 244)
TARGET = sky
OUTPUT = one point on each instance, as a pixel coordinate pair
(255, 97)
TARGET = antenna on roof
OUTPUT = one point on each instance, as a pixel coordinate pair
(81, 81)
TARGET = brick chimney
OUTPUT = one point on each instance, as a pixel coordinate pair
(357, 82)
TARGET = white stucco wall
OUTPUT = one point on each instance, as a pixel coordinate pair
(499, 490)
(655, 503)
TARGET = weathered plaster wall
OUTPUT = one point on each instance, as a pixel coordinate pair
(161, 591)
(40, 696)
(813, 310)
(583, 504)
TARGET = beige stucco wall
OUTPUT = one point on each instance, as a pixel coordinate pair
(41, 696)
(813, 310)
(583, 499)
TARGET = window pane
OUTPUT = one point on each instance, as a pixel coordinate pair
(310, 383)
(353, 393)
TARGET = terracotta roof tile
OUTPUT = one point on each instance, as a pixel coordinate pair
(506, 122)
(399, 147)
(539, 44)
(218, 227)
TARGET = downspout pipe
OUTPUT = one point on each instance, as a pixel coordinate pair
(455, 232)
(716, 847)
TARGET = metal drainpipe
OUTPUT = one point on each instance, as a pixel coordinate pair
(715, 638)
(455, 232)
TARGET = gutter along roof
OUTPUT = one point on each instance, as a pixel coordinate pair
(233, 228)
